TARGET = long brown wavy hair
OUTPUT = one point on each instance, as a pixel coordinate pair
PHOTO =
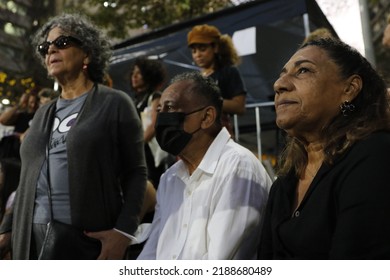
(227, 53)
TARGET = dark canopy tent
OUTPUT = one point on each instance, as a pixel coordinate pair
(280, 27)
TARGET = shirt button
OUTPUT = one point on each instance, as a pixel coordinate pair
(174, 257)
(185, 226)
(296, 214)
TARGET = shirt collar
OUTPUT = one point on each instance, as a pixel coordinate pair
(210, 160)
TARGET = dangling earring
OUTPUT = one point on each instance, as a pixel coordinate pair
(85, 67)
(346, 108)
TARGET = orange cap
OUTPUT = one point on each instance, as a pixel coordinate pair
(203, 34)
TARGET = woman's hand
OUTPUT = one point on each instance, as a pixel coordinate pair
(114, 244)
(5, 245)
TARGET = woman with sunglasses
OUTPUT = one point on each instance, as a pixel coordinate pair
(86, 147)
(217, 58)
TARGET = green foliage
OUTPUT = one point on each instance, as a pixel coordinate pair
(119, 17)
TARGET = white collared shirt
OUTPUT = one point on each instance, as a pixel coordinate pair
(213, 214)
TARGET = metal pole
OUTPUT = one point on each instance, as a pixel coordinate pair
(306, 24)
(236, 129)
(258, 133)
(366, 29)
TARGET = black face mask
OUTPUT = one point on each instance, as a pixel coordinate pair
(170, 134)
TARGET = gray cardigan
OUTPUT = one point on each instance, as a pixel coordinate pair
(107, 171)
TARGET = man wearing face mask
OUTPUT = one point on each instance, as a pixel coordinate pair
(210, 202)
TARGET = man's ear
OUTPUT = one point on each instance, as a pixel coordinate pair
(209, 118)
(353, 87)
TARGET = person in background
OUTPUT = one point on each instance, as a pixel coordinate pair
(147, 77)
(331, 197)
(210, 202)
(386, 34)
(217, 58)
(21, 114)
(18, 116)
(386, 44)
(46, 94)
(89, 140)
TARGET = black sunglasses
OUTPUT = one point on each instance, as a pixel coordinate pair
(62, 42)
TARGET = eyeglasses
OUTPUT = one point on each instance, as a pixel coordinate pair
(62, 42)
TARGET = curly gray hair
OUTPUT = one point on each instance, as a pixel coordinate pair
(94, 42)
